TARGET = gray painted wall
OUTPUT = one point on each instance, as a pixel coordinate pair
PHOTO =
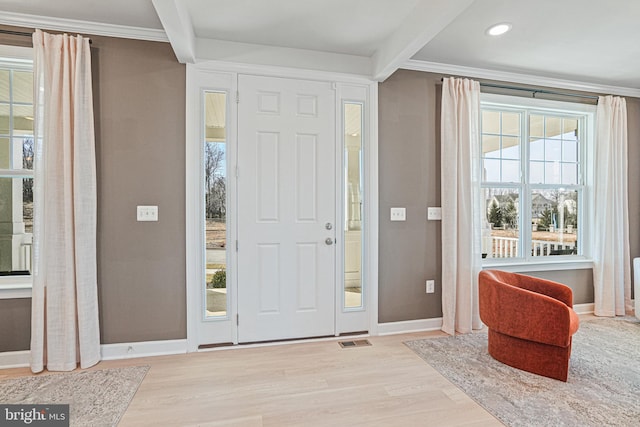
(15, 324)
(633, 129)
(409, 176)
(580, 282)
(140, 115)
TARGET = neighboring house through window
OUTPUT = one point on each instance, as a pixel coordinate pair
(535, 178)
(16, 168)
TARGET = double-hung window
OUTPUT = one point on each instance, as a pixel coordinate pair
(535, 179)
(16, 170)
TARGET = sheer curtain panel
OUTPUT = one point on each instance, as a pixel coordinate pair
(460, 188)
(64, 326)
(611, 260)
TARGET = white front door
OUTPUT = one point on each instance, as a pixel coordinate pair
(286, 208)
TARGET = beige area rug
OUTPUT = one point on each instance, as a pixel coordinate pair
(96, 398)
(603, 387)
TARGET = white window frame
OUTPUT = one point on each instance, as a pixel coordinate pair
(20, 59)
(585, 209)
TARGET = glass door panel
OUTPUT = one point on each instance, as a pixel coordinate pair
(215, 203)
(353, 180)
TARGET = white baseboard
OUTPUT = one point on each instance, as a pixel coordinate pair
(21, 359)
(406, 326)
(435, 324)
(128, 350)
(583, 308)
(15, 359)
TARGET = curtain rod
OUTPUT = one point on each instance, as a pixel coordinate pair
(23, 34)
(535, 91)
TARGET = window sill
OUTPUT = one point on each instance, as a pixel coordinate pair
(520, 265)
(15, 287)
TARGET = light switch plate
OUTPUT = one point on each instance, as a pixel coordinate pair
(398, 214)
(431, 286)
(147, 213)
(434, 214)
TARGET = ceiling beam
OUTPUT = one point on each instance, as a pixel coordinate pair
(277, 56)
(177, 25)
(428, 18)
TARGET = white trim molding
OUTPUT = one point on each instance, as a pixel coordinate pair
(545, 265)
(85, 27)
(15, 291)
(15, 359)
(283, 71)
(583, 308)
(527, 79)
(407, 326)
(129, 350)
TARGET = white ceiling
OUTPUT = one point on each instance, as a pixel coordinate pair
(590, 41)
(133, 13)
(359, 27)
(586, 40)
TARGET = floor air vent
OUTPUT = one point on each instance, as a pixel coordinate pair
(357, 343)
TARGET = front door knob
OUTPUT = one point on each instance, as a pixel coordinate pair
(329, 241)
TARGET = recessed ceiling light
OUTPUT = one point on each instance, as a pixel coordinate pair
(498, 29)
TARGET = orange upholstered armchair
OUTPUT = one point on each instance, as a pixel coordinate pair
(530, 320)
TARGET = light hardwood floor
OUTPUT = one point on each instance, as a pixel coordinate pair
(304, 384)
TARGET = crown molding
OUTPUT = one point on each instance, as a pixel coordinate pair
(83, 27)
(528, 79)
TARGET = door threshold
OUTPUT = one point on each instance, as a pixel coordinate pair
(271, 343)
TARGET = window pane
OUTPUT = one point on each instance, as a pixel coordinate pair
(4, 86)
(491, 122)
(500, 232)
(570, 129)
(16, 225)
(552, 173)
(491, 145)
(536, 149)
(215, 184)
(510, 147)
(510, 171)
(554, 217)
(22, 120)
(4, 119)
(491, 170)
(536, 172)
(511, 124)
(23, 87)
(569, 151)
(353, 180)
(570, 173)
(553, 150)
(27, 153)
(5, 153)
(552, 127)
(536, 126)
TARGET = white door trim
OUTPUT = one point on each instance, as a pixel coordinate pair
(194, 227)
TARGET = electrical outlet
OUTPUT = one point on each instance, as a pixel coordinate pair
(147, 213)
(431, 286)
(398, 214)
